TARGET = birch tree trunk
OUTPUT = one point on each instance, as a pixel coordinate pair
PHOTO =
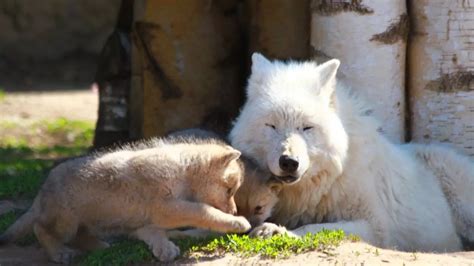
(279, 28)
(441, 72)
(369, 37)
(186, 65)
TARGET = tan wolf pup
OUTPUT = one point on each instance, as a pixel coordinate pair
(140, 190)
(255, 198)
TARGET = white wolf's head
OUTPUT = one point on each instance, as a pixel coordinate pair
(289, 123)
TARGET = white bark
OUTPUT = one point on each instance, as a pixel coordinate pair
(441, 72)
(369, 37)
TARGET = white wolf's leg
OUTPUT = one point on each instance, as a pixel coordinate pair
(360, 228)
(455, 173)
(156, 239)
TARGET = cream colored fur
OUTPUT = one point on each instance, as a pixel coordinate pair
(350, 176)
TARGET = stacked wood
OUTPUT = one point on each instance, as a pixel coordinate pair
(279, 28)
(441, 72)
(186, 65)
(369, 37)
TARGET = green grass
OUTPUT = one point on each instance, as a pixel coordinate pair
(23, 166)
(128, 252)
(124, 252)
(3, 94)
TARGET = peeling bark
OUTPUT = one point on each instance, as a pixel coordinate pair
(332, 7)
(441, 72)
(397, 31)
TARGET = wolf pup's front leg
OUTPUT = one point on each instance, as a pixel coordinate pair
(199, 215)
(163, 249)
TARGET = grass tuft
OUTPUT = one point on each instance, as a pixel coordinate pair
(278, 246)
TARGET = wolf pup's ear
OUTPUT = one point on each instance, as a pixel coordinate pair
(229, 157)
(274, 185)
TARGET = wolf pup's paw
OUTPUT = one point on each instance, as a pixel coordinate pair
(240, 225)
(165, 251)
(269, 229)
(64, 255)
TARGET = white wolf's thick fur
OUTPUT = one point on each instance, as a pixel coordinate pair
(349, 175)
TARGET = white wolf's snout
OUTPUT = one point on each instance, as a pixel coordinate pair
(289, 160)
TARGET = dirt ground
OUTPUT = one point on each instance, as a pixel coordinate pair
(82, 105)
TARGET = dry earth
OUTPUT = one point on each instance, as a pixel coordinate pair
(82, 104)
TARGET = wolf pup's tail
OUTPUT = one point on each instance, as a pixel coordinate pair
(22, 226)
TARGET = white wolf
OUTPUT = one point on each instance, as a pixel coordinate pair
(320, 139)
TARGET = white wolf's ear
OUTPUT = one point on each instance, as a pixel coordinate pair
(327, 74)
(260, 64)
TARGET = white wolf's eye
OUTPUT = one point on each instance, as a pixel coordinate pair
(270, 125)
(307, 128)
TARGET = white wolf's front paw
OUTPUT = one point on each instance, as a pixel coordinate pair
(240, 225)
(165, 251)
(269, 229)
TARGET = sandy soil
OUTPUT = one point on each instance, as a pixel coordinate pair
(30, 106)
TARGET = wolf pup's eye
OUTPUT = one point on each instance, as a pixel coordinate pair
(307, 128)
(229, 191)
(270, 125)
(258, 209)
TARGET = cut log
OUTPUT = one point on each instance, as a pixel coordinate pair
(186, 66)
(369, 37)
(441, 72)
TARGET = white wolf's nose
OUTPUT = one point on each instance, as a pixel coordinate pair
(288, 164)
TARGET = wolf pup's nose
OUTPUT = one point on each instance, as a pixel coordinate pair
(288, 164)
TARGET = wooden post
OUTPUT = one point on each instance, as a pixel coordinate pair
(441, 72)
(369, 37)
(186, 65)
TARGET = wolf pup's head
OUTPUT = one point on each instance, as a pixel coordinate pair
(289, 123)
(216, 181)
(258, 194)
